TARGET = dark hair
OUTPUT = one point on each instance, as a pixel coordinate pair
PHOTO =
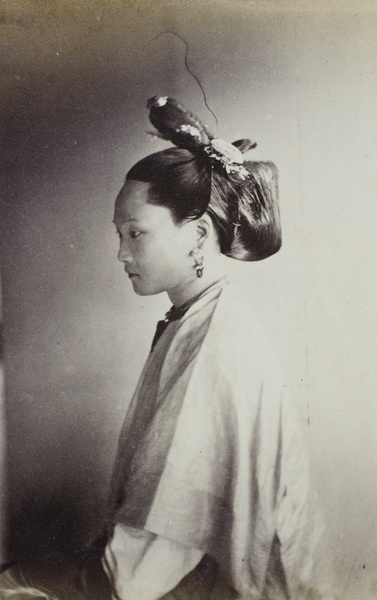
(246, 216)
(179, 180)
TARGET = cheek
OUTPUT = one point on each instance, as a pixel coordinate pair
(167, 265)
(173, 245)
(182, 241)
(166, 254)
(178, 250)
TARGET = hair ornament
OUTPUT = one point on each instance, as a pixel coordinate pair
(160, 100)
(192, 130)
(183, 128)
(229, 155)
(177, 124)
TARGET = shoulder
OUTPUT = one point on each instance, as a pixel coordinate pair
(236, 353)
(236, 364)
(236, 326)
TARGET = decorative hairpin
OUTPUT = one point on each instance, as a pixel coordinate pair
(177, 124)
(230, 157)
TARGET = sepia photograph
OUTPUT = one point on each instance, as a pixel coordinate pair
(188, 326)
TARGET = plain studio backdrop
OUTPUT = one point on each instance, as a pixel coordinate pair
(297, 77)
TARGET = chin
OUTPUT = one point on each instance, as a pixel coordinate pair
(142, 291)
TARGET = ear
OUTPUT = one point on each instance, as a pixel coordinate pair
(203, 229)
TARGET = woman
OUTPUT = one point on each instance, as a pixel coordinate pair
(210, 493)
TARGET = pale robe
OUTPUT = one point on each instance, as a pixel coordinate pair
(211, 455)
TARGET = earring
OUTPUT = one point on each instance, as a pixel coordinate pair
(198, 261)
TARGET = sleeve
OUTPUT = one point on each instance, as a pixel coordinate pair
(300, 525)
(140, 564)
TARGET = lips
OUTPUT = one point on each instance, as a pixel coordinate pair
(130, 274)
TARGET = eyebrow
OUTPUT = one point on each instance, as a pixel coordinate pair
(128, 221)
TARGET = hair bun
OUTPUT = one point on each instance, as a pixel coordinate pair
(177, 124)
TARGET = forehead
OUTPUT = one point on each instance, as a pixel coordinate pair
(132, 198)
(132, 204)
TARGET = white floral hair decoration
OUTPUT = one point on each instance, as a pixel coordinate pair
(177, 124)
(230, 157)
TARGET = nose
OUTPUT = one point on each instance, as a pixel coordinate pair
(124, 254)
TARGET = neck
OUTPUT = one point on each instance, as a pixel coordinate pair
(182, 294)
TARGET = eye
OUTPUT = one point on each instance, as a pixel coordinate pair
(134, 234)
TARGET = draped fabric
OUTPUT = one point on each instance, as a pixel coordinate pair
(211, 455)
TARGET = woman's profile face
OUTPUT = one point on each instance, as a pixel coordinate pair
(154, 249)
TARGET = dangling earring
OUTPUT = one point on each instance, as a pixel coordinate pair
(198, 261)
